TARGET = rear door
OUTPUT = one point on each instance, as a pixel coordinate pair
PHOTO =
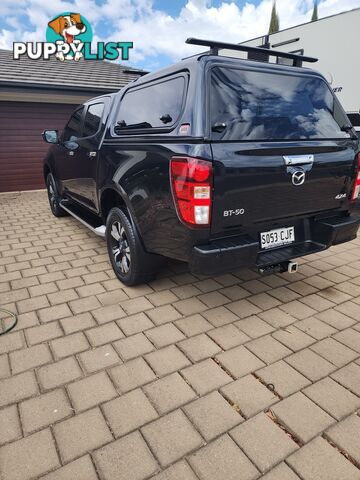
(278, 148)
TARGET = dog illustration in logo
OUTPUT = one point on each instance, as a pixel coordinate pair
(68, 26)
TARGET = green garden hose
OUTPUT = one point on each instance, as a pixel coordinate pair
(7, 330)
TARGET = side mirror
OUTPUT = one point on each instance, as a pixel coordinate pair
(50, 136)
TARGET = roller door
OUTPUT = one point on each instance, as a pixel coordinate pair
(21, 147)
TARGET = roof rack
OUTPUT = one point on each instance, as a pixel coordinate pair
(215, 46)
(141, 73)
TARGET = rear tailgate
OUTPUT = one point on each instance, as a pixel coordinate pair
(254, 185)
(281, 146)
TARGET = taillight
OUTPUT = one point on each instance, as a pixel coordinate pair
(191, 180)
(356, 190)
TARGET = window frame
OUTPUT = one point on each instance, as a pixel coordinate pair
(149, 131)
(83, 107)
(88, 105)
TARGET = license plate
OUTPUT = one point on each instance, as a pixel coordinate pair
(278, 237)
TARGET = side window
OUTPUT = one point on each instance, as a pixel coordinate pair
(156, 106)
(93, 119)
(72, 131)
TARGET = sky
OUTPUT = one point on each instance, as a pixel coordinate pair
(159, 28)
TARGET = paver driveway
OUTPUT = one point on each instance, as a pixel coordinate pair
(231, 377)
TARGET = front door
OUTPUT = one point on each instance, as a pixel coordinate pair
(78, 152)
(66, 153)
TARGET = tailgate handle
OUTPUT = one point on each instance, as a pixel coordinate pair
(298, 160)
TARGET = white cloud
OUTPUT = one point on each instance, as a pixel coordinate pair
(6, 39)
(156, 33)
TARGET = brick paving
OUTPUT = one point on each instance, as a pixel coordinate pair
(233, 377)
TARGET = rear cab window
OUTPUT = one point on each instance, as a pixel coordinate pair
(156, 106)
(262, 106)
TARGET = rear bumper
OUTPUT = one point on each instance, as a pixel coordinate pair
(244, 251)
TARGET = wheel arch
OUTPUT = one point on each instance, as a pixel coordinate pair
(111, 198)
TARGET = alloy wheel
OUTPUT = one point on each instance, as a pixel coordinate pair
(52, 195)
(120, 247)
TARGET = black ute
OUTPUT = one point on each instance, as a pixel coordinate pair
(216, 161)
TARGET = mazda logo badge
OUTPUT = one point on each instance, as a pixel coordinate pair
(298, 177)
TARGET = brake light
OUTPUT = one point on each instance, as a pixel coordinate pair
(192, 180)
(356, 191)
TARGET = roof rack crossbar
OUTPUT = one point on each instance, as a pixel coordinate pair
(215, 46)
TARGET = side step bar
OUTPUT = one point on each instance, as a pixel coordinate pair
(75, 212)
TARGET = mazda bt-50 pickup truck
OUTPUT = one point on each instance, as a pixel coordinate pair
(216, 161)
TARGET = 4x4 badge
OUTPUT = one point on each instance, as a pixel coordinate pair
(298, 177)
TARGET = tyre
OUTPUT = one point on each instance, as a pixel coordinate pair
(53, 196)
(131, 264)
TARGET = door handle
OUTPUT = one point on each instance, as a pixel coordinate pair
(291, 160)
(91, 154)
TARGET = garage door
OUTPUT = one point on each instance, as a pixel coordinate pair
(21, 147)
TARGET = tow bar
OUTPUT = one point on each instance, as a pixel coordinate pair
(290, 267)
